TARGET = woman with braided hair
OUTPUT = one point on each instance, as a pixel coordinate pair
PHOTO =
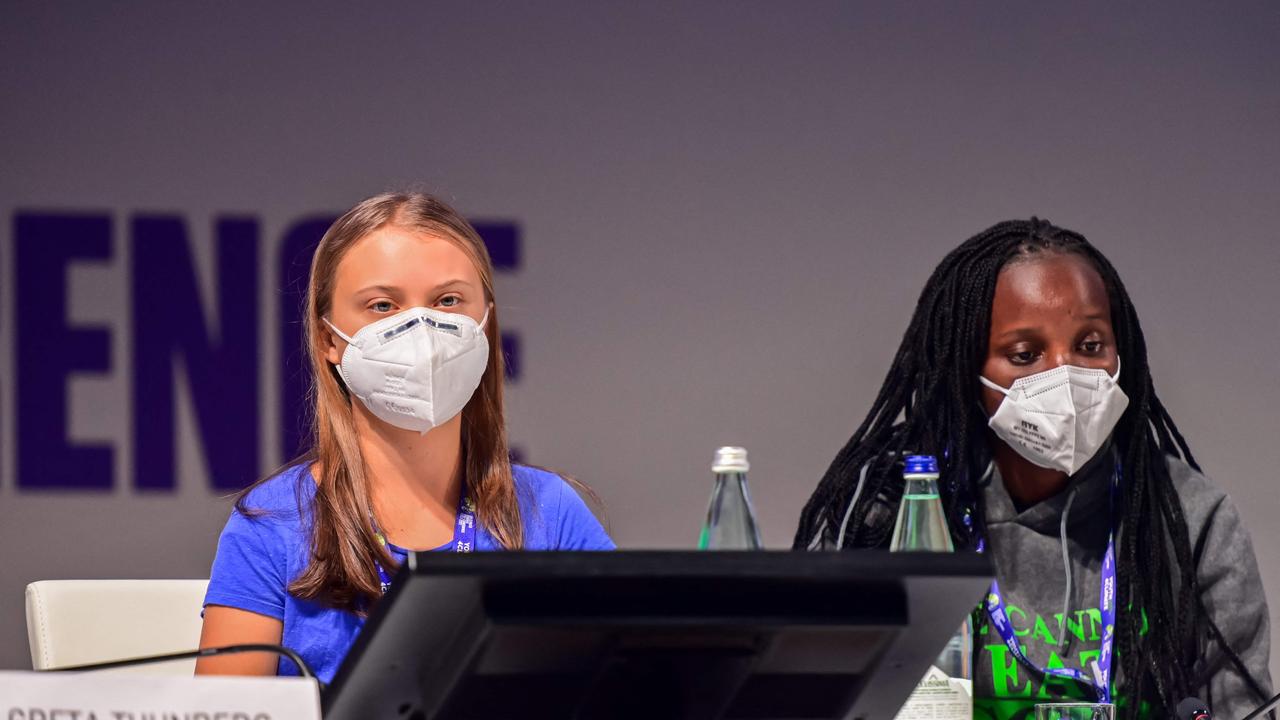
(1024, 370)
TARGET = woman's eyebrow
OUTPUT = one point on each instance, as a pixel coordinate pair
(450, 283)
(1034, 331)
(396, 291)
(1019, 332)
(384, 289)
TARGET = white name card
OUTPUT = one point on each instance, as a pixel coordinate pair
(96, 696)
(938, 697)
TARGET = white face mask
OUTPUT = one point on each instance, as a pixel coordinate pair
(415, 369)
(1059, 418)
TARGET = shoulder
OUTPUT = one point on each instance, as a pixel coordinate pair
(555, 516)
(284, 494)
(541, 493)
(261, 547)
(1191, 484)
(1204, 503)
(1219, 541)
(275, 510)
(537, 484)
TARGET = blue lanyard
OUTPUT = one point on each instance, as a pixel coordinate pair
(464, 535)
(1101, 680)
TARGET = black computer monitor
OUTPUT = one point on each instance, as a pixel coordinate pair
(655, 635)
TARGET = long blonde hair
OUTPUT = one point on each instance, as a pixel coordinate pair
(344, 549)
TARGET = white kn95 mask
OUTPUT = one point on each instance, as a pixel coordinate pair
(415, 369)
(1059, 418)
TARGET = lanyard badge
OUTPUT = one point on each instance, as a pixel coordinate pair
(464, 535)
(1100, 681)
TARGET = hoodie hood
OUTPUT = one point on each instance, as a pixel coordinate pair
(1088, 493)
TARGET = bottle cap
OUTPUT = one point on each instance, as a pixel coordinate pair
(730, 460)
(918, 464)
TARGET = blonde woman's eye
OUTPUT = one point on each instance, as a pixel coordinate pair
(449, 301)
(382, 306)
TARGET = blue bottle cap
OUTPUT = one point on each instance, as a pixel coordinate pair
(917, 464)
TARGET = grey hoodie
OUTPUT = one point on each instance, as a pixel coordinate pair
(1028, 549)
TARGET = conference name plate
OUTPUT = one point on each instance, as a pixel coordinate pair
(111, 696)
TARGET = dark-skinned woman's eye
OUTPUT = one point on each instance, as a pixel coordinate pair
(1026, 357)
(1092, 346)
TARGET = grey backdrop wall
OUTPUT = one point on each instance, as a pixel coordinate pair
(726, 212)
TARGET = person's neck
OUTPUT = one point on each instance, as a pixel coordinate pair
(1026, 482)
(415, 479)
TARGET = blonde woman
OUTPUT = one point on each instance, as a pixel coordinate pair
(409, 448)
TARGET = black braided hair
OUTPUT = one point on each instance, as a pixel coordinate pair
(930, 403)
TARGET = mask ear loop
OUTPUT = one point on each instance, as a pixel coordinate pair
(338, 332)
(993, 386)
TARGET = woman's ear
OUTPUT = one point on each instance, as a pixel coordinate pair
(334, 346)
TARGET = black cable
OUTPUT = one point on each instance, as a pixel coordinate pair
(1270, 705)
(202, 652)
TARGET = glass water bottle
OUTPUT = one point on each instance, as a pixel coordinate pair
(731, 522)
(922, 527)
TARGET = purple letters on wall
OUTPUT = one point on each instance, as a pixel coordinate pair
(211, 341)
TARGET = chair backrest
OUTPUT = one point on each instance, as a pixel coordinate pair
(76, 622)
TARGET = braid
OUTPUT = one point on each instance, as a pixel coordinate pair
(929, 403)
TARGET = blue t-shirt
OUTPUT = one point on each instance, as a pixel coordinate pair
(259, 557)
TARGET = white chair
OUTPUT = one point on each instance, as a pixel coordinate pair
(76, 622)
